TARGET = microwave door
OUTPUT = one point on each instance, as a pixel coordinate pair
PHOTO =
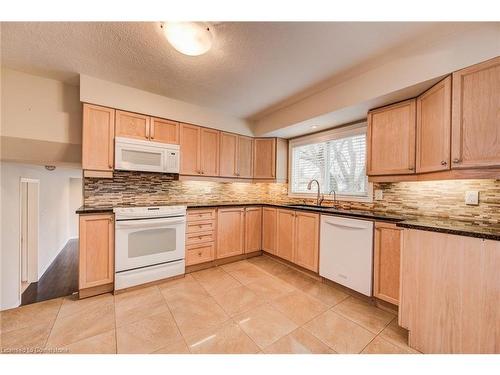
(137, 158)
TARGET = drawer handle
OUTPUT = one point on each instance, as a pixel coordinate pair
(444, 162)
(457, 160)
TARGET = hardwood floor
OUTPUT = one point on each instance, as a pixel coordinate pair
(60, 279)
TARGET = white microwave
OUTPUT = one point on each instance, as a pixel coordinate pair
(147, 156)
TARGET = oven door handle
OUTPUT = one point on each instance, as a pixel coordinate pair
(149, 223)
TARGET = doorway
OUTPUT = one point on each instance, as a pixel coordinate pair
(29, 214)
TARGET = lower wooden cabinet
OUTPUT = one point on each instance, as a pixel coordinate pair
(269, 227)
(386, 262)
(200, 236)
(297, 238)
(285, 238)
(450, 292)
(253, 229)
(97, 250)
(230, 232)
(306, 246)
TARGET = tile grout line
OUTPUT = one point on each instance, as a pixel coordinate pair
(53, 324)
(377, 335)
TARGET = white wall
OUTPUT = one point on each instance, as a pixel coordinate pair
(98, 91)
(57, 220)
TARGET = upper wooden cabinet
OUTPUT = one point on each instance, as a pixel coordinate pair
(98, 138)
(209, 152)
(253, 229)
(230, 232)
(434, 128)
(270, 158)
(97, 249)
(190, 149)
(386, 261)
(391, 139)
(269, 229)
(228, 155)
(164, 131)
(476, 116)
(306, 247)
(132, 125)
(245, 157)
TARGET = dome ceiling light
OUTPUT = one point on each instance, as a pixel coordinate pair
(189, 38)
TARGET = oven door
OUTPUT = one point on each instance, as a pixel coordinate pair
(138, 157)
(146, 242)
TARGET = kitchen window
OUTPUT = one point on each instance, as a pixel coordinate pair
(336, 158)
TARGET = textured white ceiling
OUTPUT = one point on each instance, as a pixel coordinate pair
(251, 67)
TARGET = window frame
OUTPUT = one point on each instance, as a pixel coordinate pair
(324, 136)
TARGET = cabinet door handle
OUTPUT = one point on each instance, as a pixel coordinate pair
(444, 162)
(457, 160)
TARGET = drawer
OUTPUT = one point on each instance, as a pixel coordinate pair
(196, 238)
(199, 253)
(200, 226)
(196, 215)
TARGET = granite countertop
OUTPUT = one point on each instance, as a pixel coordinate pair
(479, 229)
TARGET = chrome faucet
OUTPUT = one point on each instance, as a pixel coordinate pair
(335, 203)
(319, 199)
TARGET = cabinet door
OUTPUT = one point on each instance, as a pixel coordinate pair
(190, 149)
(228, 157)
(285, 234)
(209, 152)
(306, 248)
(476, 116)
(391, 139)
(164, 131)
(386, 262)
(98, 138)
(245, 157)
(253, 229)
(230, 232)
(97, 249)
(434, 128)
(264, 165)
(132, 125)
(269, 227)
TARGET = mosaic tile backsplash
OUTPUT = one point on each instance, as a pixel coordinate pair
(433, 198)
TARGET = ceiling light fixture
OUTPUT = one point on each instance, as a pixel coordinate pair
(189, 38)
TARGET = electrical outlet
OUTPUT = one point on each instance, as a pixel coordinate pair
(472, 198)
(379, 195)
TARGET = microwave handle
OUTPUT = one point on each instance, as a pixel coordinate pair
(149, 223)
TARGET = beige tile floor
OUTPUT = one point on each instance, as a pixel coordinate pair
(257, 305)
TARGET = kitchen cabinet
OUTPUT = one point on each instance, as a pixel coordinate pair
(209, 152)
(228, 157)
(132, 125)
(285, 238)
(475, 116)
(434, 128)
(253, 229)
(190, 149)
(201, 229)
(98, 138)
(96, 253)
(230, 232)
(449, 292)
(245, 157)
(386, 262)
(270, 159)
(269, 229)
(391, 139)
(236, 156)
(164, 131)
(306, 246)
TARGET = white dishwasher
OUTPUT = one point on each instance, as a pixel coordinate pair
(346, 253)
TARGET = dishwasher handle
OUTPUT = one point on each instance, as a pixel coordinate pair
(347, 226)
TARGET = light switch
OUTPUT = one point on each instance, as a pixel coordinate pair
(472, 197)
(379, 195)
